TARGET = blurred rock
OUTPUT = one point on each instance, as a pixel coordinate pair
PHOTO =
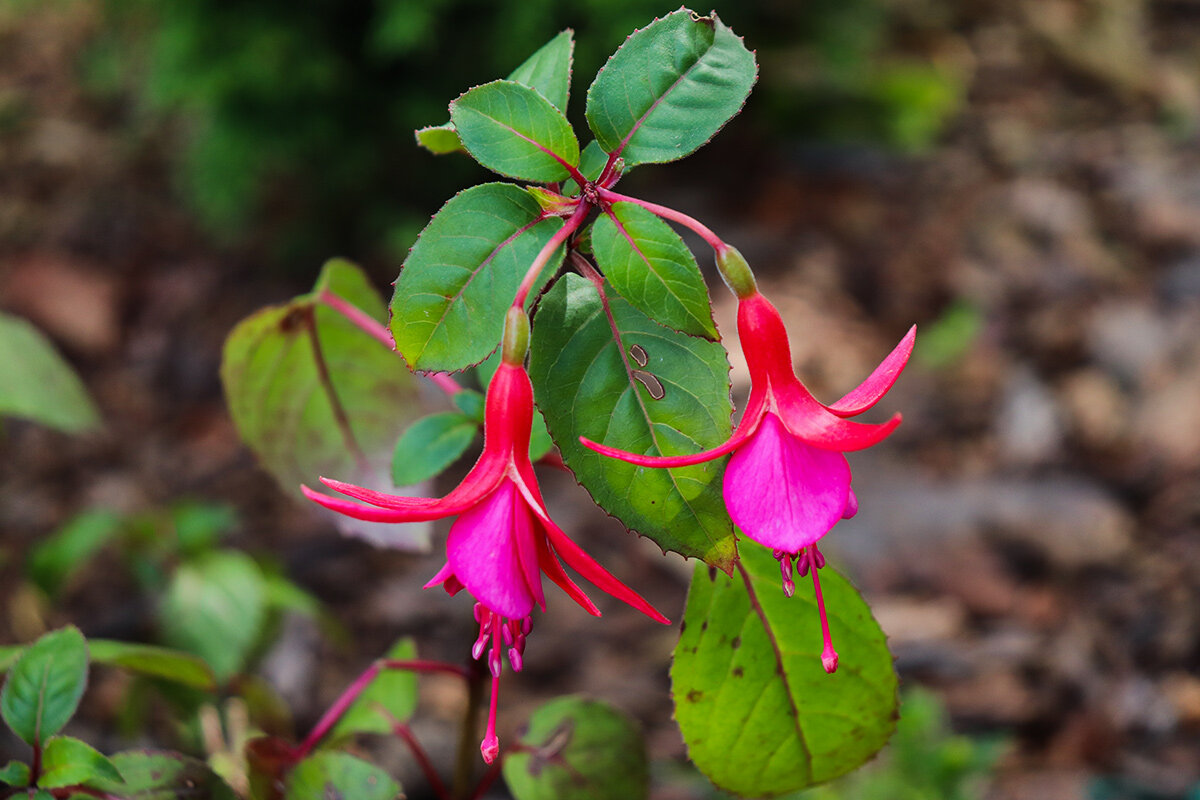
(1167, 423)
(1029, 424)
(1096, 410)
(1129, 339)
(70, 299)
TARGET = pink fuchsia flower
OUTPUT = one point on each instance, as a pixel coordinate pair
(788, 483)
(503, 539)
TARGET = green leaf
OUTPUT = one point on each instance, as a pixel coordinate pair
(163, 775)
(328, 774)
(439, 139)
(9, 654)
(391, 696)
(43, 688)
(215, 607)
(37, 384)
(587, 385)
(471, 403)
(155, 662)
(515, 131)
(430, 445)
(199, 526)
(312, 395)
(70, 762)
(61, 555)
(758, 713)
(653, 269)
(462, 275)
(575, 748)
(549, 70)
(669, 88)
(15, 773)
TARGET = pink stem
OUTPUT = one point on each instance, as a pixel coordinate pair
(702, 230)
(369, 325)
(338, 709)
(402, 730)
(444, 382)
(560, 236)
(362, 320)
(829, 656)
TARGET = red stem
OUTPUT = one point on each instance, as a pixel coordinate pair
(370, 326)
(560, 236)
(361, 319)
(488, 778)
(360, 684)
(702, 230)
(402, 730)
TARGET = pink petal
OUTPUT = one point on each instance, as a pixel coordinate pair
(484, 553)
(872, 390)
(578, 560)
(808, 420)
(783, 493)
(554, 571)
(415, 513)
(851, 506)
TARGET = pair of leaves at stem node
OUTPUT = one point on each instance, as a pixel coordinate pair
(665, 92)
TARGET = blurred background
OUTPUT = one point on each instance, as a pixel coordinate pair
(1021, 178)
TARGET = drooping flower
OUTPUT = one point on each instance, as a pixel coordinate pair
(503, 539)
(788, 482)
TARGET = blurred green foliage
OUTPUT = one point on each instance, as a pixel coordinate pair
(293, 123)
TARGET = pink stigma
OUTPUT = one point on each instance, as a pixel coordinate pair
(829, 656)
(499, 633)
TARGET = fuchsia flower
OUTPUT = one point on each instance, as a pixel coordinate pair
(503, 539)
(788, 483)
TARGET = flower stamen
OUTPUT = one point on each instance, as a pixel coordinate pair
(829, 656)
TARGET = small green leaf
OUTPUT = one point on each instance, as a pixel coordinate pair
(43, 687)
(313, 395)
(163, 775)
(215, 608)
(430, 445)
(471, 403)
(9, 654)
(669, 88)
(578, 749)
(37, 384)
(515, 131)
(757, 711)
(653, 269)
(391, 696)
(439, 139)
(70, 762)
(57, 558)
(199, 526)
(675, 401)
(15, 773)
(329, 774)
(549, 70)
(155, 662)
(462, 275)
